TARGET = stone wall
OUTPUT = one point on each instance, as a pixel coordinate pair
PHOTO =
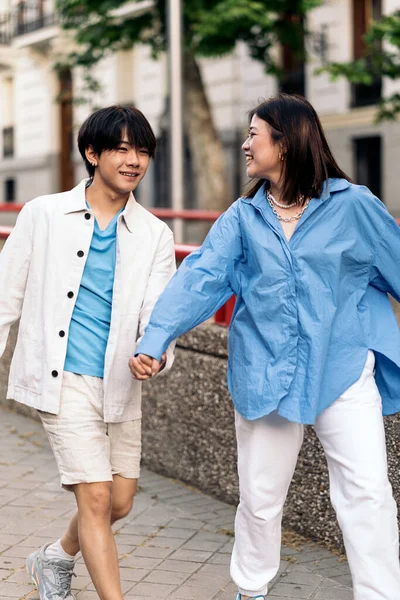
(188, 434)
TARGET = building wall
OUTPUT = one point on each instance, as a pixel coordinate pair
(234, 84)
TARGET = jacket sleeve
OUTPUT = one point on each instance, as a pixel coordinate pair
(15, 259)
(162, 270)
(201, 285)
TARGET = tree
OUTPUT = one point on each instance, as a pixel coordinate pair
(211, 29)
(381, 59)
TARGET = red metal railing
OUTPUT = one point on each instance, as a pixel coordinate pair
(224, 314)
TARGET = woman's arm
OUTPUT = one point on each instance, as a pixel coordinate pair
(200, 286)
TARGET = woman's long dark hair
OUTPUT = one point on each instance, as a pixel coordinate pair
(308, 160)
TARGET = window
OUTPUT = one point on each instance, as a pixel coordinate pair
(365, 11)
(368, 163)
(8, 142)
(9, 190)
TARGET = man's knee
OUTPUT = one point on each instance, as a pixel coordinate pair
(121, 508)
(124, 491)
(94, 499)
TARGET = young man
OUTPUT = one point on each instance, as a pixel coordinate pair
(83, 269)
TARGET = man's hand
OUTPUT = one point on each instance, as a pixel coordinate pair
(143, 367)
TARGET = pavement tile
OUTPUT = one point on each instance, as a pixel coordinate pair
(301, 578)
(169, 577)
(175, 532)
(191, 555)
(151, 552)
(79, 583)
(193, 524)
(135, 575)
(220, 559)
(334, 594)
(187, 592)
(205, 545)
(164, 542)
(139, 529)
(139, 562)
(294, 590)
(11, 563)
(14, 590)
(128, 538)
(153, 590)
(181, 566)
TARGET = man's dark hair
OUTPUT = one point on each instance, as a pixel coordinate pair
(104, 129)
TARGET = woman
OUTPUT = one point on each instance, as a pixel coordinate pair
(313, 339)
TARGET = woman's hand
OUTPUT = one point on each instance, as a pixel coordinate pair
(144, 367)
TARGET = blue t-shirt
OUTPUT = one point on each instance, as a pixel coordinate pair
(91, 318)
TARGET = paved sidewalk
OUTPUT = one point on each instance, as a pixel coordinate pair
(175, 544)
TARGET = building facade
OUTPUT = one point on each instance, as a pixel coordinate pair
(41, 108)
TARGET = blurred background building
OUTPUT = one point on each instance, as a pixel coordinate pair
(41, 108)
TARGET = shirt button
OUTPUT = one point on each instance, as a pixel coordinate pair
(87, 216)
(54, 373)
(61, 333)
(70, 294)
(80, 253)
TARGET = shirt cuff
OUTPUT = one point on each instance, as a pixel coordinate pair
(154, 344)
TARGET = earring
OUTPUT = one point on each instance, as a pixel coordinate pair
(281, 156)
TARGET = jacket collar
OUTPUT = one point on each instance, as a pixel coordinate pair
(335, 184)
(76, 201)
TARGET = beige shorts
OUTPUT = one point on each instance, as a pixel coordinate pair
(87, 449)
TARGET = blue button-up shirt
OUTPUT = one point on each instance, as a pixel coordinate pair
(307, 311)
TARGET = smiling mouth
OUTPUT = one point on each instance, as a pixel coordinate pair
(131, 175)
(249, 157)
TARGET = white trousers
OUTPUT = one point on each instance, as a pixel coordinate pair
(352, 435)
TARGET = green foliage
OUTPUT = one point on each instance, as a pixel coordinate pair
(381, 59)
(211, 27)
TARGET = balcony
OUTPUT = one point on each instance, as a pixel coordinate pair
(35, 23)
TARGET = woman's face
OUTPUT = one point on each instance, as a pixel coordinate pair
(262, 153)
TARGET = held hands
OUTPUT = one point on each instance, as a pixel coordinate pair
(143, 367)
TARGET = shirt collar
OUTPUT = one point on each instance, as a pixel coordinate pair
(76, 201)
(335, 184)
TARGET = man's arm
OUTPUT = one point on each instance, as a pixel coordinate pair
(14, 267)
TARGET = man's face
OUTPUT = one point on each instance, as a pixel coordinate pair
(122, 168)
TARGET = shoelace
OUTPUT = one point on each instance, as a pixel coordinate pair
(64, 579)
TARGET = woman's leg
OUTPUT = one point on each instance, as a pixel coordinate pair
(267, 455)
(352, 434)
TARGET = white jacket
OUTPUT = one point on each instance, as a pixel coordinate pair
(40, 275)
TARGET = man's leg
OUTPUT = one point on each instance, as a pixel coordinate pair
(267, 456)
(83, 449)
(96, 539)
(352, 434)
(123, 492)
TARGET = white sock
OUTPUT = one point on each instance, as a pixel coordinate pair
(58, 552)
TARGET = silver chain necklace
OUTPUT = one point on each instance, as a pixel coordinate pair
(287, 219)
(284, 206)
